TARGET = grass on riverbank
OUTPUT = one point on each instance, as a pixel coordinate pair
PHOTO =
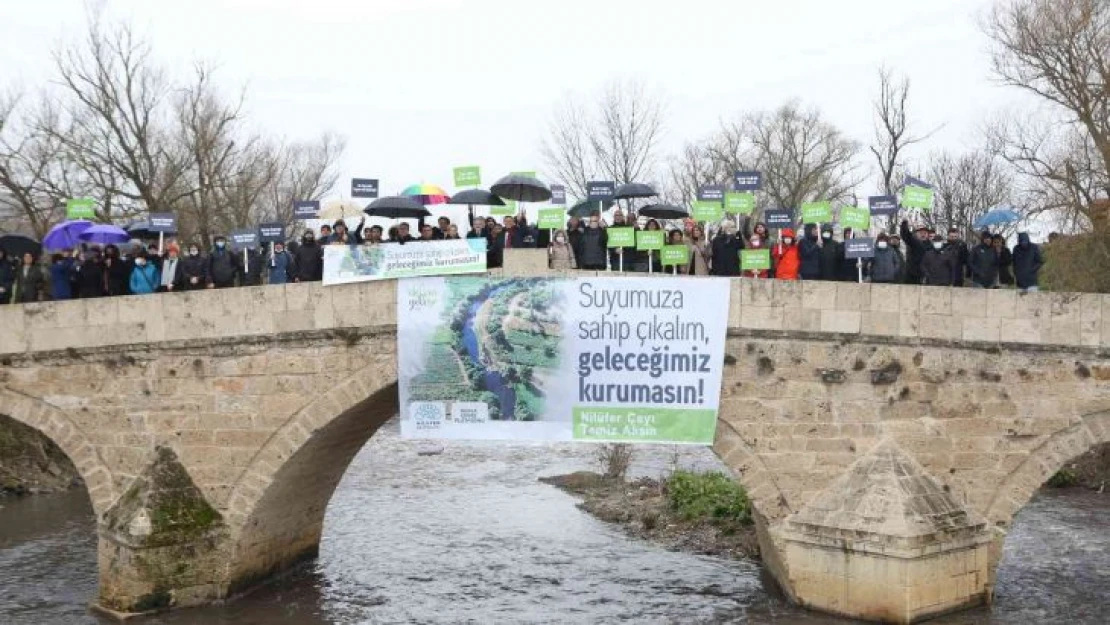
(703, 513)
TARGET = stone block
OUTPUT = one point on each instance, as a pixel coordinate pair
(139, 308)
(987, 329)
(818, 295)
(102, 311)
(755, 292)
(969, 302)
(880, 323)
(800, 319)
(1064, 332)
(296, 296)
(760, 318)
(788, 293)
(346, 297)
(1065, 307)
(13, 330)
(1024, 330)
(46, 339)
(936, 300)
(853, 296)
(1002, 303)
(735, 303)
(841, 321)
(885, 298)
(1090, 319)
(1033, 305)
(909, 324)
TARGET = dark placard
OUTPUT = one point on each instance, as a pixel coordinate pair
(883, 205)
(243, 239)
(162, 222)
(779, 218)
(910, 181)
(859, 248)
(558, 195)
(600, 190)
(271, 233)
(364, 187)
(748, 181)
(306, 209)
(711, 193)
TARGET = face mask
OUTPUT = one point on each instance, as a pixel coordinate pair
(194, 252)
(755, 242)
(140, 261)
(220, 245)
(937, 245)
(826, 235)
(882, 245)
(560, 240)
(788, 240)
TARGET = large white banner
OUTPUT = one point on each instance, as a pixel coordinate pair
(359, 263)
(585, 359)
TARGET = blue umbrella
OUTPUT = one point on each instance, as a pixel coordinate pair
(997, 217)
(66, 235)
(105, 234)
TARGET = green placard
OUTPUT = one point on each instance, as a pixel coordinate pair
(649, 239)
(469, 176)
(509, 209)
(817, 212)
(703, 210)
(674, 255)
(551, 219)
(856, 218)
(528, 174)
(740, 203)
(917, 197)
(621, 237)
(80, 208)
(755, 260)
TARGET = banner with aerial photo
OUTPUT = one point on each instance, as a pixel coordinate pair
(564, 359)
(361, 263)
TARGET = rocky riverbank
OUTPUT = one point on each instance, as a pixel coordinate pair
(644, 509)
(30, 463)
(1091, 470)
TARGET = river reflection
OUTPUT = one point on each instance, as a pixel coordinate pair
(470, 536)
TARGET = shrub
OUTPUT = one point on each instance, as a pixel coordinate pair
(714, 497)
(614, 459)
(1064, 478)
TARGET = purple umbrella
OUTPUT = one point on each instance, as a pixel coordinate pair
(104, 235)
(65, 235)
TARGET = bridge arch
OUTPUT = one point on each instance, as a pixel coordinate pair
(53, 423)
(1044, 462)
(276, 509)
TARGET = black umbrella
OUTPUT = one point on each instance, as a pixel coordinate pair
(585, 209)
(475, 197)
(521, 189)
(16, 245)
(664, 211)
(634, 190)
(396, 207)
(141, 230)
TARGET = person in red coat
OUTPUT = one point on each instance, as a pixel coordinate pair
(788, 262)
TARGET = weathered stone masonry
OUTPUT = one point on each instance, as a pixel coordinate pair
(887, 434)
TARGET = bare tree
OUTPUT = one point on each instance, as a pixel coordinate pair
(616, 138)
(965, 187)
(1058, 50)
(892, 129)
(802, 156)
(306, 171)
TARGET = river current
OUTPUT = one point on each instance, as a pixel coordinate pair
(470, 536)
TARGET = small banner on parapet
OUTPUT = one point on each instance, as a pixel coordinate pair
(561, 359)
(344, 264)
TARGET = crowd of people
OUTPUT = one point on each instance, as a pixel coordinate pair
(915, 255)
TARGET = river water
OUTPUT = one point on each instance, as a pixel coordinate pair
(470, 536)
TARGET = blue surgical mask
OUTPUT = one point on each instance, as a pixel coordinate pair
(220, 245)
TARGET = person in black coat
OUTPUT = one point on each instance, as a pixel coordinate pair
(1005, 261)
(849, 267)
(726, 248)
(253, 274)
(194, 270)
(117, 273)
(495, 247)
(308, 260)
(916, 246)
(90, 276)
(959, 252)
(1027, 263)
(223, 265)
(832, 254)
(575, 230)
(594, 242)
(809, 252)
(938, 263)
(7, 277)
(983, 262)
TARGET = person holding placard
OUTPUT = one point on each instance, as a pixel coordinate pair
(887, 266)
(809, 251)
(832, 254)
(785, 257)
(701, 253)
(223, 266)
(595, 241)
(623, 258)
(726, 251)
(560, 255)
(756, 242)
(308, 260)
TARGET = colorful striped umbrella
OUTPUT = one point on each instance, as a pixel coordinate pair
(426, 194)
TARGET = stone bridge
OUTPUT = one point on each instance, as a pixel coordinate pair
(887, 434)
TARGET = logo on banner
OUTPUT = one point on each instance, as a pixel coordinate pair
(428, 415)
(364, 187)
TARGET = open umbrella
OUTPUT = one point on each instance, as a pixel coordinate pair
(140, 230)
(339, 209)
(64, 236)
(585, 209)
(664, 211)
(475, 197)
(426, 194)
(396, 207)
(104, 235)
(16, 245)
(997, 217)
(521, 188)
(634, 190)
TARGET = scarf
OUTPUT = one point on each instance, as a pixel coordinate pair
(169, 268)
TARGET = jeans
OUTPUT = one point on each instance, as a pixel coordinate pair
(1030, 289)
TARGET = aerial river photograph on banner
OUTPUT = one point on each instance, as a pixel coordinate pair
(582, 359)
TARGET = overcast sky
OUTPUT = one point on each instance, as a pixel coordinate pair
(420, 86)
